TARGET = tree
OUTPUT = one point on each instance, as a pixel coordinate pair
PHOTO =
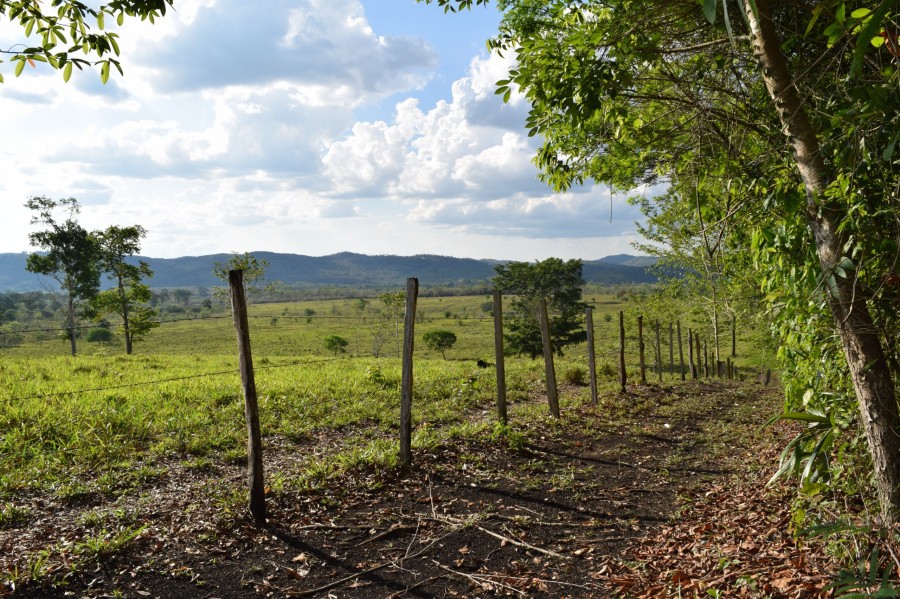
(439, 340)
(115, 245)
(796, 111)
(254, 274)
(71, 257)
(394, 307)
(336, 344)
(78, 30)
(557, 281)
(182, 296)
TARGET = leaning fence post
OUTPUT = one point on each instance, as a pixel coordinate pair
(406, 380)
(251, 408)
(498, 356)
(592, 359)
(549, 369)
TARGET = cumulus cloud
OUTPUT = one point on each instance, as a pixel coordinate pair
(324, 47)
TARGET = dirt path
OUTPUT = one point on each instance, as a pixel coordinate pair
(560, 509)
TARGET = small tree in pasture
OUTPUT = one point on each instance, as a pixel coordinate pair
(336, 344)
(439, 340)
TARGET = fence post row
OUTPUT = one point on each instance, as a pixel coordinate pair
(251, 408)
(549, 370)
(498, 356)
(406, 381)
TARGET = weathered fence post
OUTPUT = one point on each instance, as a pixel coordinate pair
(691, 353)
(623, 377)
(498, 356)
(406, 378)
(705, 360)
(659, 365)
(641, 349)
(251, 408)
(697, 341)
(671, 352)
(680, 351)
(592, 359)
(733, 338)
(549, 370)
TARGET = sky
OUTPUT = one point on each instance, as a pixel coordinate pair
(311, 127)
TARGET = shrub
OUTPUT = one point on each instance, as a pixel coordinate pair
(575, 375)
(336, 344)
(99, 335)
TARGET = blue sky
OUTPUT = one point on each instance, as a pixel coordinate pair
(313, 127)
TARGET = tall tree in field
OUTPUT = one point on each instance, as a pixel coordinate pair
(793, 103)
(69, 254)
(67, 33)
(254, 270)
(116, 244)
(557, 281)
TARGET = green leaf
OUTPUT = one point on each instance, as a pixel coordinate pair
(100, 21)
(20, 67)
(868, 33)
(104, 72)
(840, 14)
(709, 10)
(815, 17)
(804, 416)
(120, 19)
(67, 71)
(29, 27)
(860, 13)
(889, 150)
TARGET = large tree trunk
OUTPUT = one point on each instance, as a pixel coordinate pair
(861, 345)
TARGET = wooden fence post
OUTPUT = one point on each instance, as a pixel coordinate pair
(733, 338)
(251, 408)
(659, 365)
(641, 349)
(498, 356)
(549, 370)
(691, 353)
(592, 359)
(671, 352)
(697, 341)
(705, 360)
(680, 351)
(623, 377)
(406, 379)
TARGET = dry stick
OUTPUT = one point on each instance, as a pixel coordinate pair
(549, 369)
(641, 349)
(623, 377)
(412, 293)
(592, 360)
(498, 356)
(479, 580)
(410, 588)
(522, 543)
(680, 350)
(251, 408)
(340, 581)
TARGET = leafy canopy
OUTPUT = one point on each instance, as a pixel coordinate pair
(554, 280)
(70, 33)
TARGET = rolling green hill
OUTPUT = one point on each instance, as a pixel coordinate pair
(340, 270)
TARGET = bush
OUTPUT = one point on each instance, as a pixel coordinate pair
(335, 344)
(575, 375)
(99, 335)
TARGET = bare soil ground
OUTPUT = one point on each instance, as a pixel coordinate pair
(666, 499)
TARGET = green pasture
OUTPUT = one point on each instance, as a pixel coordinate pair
(98, 421)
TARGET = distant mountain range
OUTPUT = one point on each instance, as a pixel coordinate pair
(338, 270)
